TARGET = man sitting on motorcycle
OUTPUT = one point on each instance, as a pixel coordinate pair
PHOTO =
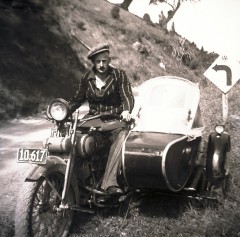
(108, 91)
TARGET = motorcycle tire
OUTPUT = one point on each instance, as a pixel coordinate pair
(37, 212)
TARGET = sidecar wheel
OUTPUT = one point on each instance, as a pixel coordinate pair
(36, 211)
(226, 184)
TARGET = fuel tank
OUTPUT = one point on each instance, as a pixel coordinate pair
(159, 161)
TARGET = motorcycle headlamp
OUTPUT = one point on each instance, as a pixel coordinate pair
(219, 129)
(58, 109)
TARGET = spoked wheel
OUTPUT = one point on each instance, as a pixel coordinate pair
(219, 189)
(38, 213)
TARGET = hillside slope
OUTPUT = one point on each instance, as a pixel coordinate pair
(97, 21)
(41, 51)
(36, 60)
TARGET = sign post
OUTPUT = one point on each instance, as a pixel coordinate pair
(224, 107)
(224, 73)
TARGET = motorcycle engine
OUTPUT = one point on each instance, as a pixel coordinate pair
(86, 145)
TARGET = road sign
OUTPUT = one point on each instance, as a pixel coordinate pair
(224, 73)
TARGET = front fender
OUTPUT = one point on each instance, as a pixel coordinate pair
(53, 164)
(218, 146)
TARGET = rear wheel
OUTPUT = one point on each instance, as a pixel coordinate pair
(37, 212)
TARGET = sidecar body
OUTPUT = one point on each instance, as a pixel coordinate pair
(165, 150)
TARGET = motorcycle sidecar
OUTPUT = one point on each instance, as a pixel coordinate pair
(165, 151)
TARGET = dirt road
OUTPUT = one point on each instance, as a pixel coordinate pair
(27, 132)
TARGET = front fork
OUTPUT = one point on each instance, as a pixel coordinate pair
(70, 164)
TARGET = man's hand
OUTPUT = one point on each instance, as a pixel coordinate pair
(126, 116)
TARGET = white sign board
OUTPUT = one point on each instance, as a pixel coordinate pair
(224, 73)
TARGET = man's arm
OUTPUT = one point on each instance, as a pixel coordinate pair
(127, 97)
(126, 93)
(80, 96)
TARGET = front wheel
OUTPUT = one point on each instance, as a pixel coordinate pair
(38, 213)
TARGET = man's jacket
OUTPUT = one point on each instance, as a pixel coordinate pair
(115, 97)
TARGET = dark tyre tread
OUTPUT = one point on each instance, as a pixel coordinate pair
(29, 200)
(22, 212)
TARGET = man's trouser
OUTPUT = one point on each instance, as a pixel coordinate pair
(114, 158)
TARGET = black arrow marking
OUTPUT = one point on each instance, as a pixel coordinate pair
(228, 71)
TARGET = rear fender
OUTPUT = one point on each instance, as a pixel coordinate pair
(218, 146)
(53, 164)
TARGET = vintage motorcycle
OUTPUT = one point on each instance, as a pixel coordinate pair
(165, 151)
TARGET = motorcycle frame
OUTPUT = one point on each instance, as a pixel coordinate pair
(70, 161)
(57, 164)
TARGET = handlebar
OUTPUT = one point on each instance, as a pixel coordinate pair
(89, 118)
(106, 116)
(102, 116)
(109, 122)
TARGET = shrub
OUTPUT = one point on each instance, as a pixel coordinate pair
(194, 64)
(81, 26)
(115, 12)
(186, 59)
(147, 18)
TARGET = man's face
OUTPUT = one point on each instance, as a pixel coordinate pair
(101, 62)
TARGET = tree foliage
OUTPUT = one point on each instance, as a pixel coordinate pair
(174, 4)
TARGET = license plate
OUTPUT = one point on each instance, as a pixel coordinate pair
(36, 156)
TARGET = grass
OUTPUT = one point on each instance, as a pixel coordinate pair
(41, 60)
